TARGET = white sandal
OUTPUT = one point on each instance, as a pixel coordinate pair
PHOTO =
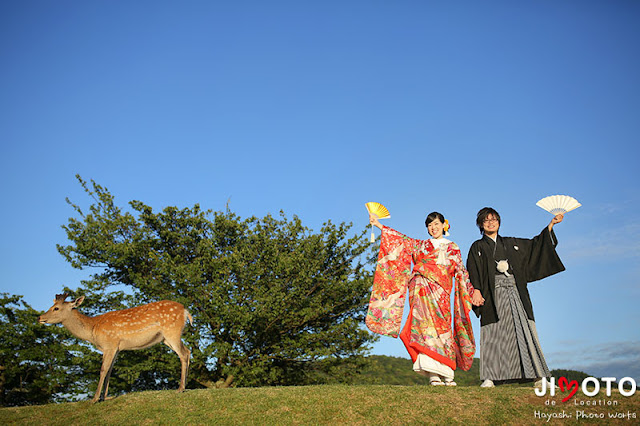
(435, 380)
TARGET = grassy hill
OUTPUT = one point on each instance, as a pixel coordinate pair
(328, 404)
(389, 392)
(387, 370)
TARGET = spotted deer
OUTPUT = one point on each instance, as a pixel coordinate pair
(127, 329)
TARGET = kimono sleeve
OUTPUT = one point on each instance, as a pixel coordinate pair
(461, 274)
(476, 274)
(462, 330)
(543, 259)
(390, 283)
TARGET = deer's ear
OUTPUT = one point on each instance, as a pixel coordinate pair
(78, 302)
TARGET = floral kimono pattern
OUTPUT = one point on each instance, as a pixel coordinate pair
(428, 328)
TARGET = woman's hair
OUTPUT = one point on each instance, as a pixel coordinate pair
(433, 216)
(482, 215)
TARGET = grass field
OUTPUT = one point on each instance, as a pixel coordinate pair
(331, 404)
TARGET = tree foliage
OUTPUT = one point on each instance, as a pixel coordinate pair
(273, 302)
(570, 375)
(36, 365)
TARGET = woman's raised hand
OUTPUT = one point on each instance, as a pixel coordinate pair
(373, 220)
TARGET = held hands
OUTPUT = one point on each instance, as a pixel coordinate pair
(477, 299)
(373, 220)
(556, 219)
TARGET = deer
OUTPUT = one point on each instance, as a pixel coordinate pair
(135, 328)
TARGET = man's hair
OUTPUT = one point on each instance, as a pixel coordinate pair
(482, 215)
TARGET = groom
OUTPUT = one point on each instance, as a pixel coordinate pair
(501, 268)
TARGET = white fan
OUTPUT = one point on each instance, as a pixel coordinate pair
(558, 204)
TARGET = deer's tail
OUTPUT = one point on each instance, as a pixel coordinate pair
(188, 317)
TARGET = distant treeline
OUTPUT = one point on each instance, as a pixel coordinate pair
(398, 371)
(388, 370)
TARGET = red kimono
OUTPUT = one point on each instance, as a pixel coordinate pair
(428, 328)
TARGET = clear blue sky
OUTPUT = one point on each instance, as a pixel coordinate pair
(315, 108)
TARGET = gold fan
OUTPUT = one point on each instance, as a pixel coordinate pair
(380, 211)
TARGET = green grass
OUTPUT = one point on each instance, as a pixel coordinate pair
(327, 404)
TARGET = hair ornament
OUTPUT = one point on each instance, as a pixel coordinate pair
(446, 227)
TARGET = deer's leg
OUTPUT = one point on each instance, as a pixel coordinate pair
(106, 380)
(108, 357)
(185, 355)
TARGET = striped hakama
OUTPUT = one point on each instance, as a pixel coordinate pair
(510, 348)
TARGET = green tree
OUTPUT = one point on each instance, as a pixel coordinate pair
(36, 365)
(273, 302)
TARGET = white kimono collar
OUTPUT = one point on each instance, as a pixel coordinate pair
(438, 241)
(439, 244)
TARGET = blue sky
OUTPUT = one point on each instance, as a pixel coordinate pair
(315, 108)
